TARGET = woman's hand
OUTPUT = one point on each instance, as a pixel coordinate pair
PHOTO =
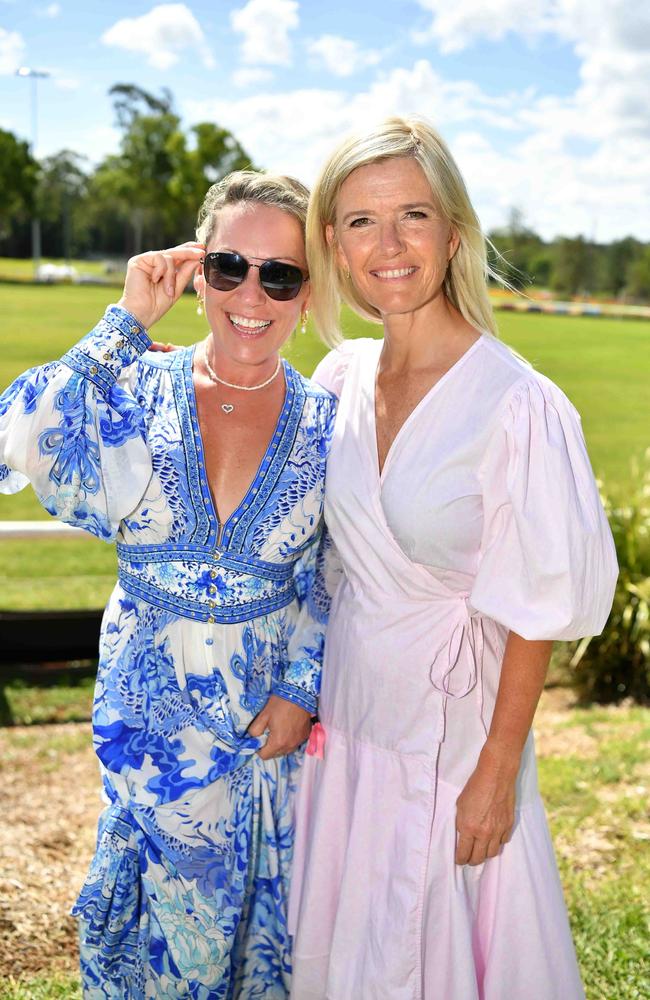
(155, 280)
(485, 809)
(288, 727)
(157, 345)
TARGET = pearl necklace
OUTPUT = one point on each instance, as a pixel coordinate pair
(228, 407)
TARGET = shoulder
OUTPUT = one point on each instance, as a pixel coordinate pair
(170, 361)
(519, 387)
(310, 388)
(331, 371)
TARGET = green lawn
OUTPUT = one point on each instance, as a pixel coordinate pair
(22, 269)
(602, 364)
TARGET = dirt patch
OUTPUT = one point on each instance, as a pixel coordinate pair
(50, 804)
(49, 796)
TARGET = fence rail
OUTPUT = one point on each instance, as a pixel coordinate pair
(39, 529)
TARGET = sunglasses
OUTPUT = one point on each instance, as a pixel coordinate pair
(225, 270)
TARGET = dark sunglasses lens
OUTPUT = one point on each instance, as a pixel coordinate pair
(224, 271)
(280, 281)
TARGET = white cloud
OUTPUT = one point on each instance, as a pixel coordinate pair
(12, 46)
(455, 26)
(342, 56)
(66, 82)
(265, 27)
(52, 10)
(162, 34)
(526, 161)
(266, 123)
(250, 76)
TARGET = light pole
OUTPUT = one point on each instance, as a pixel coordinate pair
(34, 75)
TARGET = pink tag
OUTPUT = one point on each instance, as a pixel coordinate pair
(316, 742)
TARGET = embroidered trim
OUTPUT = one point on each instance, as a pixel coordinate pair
(185, 607)
(295, 694)
(173, 552)
(274, 461)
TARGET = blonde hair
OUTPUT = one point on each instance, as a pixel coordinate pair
(251, 186)
(465, 283)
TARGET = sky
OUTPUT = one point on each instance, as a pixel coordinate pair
(544, 104)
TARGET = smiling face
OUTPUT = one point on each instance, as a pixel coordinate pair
(390, 235)
(248, 326)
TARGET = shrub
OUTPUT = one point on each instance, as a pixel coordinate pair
(616, 664)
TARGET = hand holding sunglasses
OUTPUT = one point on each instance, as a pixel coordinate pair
(224, 270)
(155, 280)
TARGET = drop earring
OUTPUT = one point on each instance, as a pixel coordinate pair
(303, 325)
(199, 305)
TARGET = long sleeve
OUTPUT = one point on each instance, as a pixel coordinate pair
(315, 576)
(74, 429)
(548, 566)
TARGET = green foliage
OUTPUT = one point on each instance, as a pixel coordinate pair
(55, 987)
(66, 698)
(639, 275)
(18, 178)
(146, 194)
(593, 787)
(61, 194)
(616, 664)
(570, 267)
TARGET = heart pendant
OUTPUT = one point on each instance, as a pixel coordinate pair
(227, 407)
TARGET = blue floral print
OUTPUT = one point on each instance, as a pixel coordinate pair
(186, 894)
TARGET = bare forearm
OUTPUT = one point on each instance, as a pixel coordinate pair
(485, 809)
(522, 679)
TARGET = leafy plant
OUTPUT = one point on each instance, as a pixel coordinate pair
(616, 664)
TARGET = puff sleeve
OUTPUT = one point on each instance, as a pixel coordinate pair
(75, 430)
(547, 565)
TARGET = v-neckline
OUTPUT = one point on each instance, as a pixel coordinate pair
(380, 474)
(225, 529)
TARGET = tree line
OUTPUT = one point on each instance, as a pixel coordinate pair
(147, 195)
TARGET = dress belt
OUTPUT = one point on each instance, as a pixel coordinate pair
(204, 584)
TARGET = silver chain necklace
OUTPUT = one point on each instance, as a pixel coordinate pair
(229, 407)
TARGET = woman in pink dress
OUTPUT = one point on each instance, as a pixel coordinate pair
(471, 535)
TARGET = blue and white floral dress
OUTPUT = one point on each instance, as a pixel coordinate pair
(186, 893)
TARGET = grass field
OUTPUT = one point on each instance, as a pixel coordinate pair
(22, 269)
(602, 364)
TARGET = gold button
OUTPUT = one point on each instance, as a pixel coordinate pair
(217, 555)
(211, 619)
(213, 590)
(107, 357)
(119, 343)
(212, 604)
(93, 369)
(213, 574)
(134, 329)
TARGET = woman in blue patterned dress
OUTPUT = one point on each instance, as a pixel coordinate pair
(207, 467)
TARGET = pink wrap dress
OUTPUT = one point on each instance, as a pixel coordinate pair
(486, 518)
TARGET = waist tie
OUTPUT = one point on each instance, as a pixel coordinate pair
(457, 664)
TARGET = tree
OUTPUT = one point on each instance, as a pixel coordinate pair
(154, 186)
(61, 196)
(573, 270)
(213, 152)
(639, 276)
(619, 257)
(520, 252)
(18, 180)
